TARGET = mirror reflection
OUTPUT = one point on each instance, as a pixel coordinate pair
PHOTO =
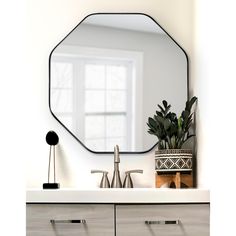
(107, 77)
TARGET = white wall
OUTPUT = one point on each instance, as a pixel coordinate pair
(214, 83)
(48, 24)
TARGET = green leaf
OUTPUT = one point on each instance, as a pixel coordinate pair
(179, 132)
(180, 122)
(152, 122)
(173, 142)
(165, 103)
(159, 113)
(167, 124)
(160, 120)
(190, 103)
(169, 142)
(161, 108)
(167, 110)
(173, 116)
(185, 114)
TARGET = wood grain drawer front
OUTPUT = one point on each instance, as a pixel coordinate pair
(99, 220)
(164, 220)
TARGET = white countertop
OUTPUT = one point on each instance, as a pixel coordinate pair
(135, 195)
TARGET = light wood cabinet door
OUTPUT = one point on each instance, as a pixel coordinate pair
(162, 220)
(70, 220)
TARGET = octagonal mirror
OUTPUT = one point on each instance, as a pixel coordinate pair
(107, 77)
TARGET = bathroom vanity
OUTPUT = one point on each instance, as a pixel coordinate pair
(118, 212)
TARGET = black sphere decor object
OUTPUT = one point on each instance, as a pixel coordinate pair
(52, 139)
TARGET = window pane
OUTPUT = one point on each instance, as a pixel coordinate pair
(95, 76)
(61, 100)
(111, 142)
(94, 101)
(116, 101)
(96, 144)
(94, 127)
(116, 126)
(61, 75)
(116, 77)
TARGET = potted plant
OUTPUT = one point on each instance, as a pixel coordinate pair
(172, 132)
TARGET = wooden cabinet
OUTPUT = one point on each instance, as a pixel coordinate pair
(162, 220)
(70, 219)
(117, 219)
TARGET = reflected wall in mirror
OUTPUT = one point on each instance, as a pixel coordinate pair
(107, 77)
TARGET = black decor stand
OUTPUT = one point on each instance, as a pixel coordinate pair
(52, 139)
(51, 186)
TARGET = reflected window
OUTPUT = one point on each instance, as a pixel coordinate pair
(97, 99)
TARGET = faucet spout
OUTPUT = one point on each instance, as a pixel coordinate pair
(116, 154)
(116, 181)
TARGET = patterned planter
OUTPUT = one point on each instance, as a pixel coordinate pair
(173, 160)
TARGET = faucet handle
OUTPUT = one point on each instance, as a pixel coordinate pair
(104, 181)
(128, 181)
(134, 171)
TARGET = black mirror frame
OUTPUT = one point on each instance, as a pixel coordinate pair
(112, 13)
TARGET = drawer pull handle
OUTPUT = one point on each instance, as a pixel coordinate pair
(162, 222)
(67, 221)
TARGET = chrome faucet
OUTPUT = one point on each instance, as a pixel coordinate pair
(116, 181)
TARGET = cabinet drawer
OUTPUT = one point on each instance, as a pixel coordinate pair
(69, 219)
(162, 220)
